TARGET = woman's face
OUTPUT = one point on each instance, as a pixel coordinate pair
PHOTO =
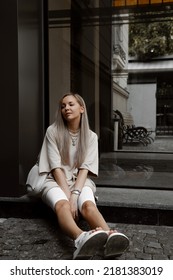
(70, 108)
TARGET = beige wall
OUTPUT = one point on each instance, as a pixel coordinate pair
(120, 98)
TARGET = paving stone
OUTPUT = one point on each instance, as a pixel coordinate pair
(154, 245)
(129, 256)
(148, 231)
(160, 257)
(143, 256)
(167, 251)
(2, 220)
(152, 251)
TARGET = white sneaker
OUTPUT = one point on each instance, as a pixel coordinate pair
(116, 244)
(88, 243)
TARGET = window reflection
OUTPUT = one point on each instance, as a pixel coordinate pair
(142, 68)
(118, 3)
(121, 62)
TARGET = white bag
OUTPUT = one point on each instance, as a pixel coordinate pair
(35, 180)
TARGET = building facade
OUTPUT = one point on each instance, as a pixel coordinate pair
(53, 47)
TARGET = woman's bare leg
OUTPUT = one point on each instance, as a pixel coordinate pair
(68, 224)
(65, 219)
(92, 215)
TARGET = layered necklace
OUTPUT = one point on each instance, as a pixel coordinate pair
(74, 136)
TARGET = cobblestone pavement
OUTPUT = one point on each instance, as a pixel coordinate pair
(40, 239)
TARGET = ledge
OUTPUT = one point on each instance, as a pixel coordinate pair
(117, 205)
(135, 198)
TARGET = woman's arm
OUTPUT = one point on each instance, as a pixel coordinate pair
(91, 160)
(80, 181)
(81, 178)
(59, 177)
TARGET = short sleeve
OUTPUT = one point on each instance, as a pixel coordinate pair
(53, 154)
(91, 160)
(49, 156)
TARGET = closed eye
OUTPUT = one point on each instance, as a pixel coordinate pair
(64, 105)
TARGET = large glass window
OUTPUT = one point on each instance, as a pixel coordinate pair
(121, 61)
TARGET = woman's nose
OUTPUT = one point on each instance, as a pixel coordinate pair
(67, 107)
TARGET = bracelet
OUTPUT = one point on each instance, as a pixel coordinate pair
(77, 192)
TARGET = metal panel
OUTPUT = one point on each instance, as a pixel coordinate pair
(22, 91)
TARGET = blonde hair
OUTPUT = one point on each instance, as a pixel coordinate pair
(63, 134)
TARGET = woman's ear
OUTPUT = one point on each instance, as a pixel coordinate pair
(82, 109)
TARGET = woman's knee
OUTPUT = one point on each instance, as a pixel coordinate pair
(62, 205)
(87, 208)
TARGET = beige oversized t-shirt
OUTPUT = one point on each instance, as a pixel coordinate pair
(50, 159)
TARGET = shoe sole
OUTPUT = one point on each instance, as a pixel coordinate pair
(116, 244)
(95, 241)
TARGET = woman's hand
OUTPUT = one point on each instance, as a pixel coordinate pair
(74, 206)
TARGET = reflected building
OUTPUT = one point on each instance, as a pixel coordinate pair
(120, 34)
(142, 84)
